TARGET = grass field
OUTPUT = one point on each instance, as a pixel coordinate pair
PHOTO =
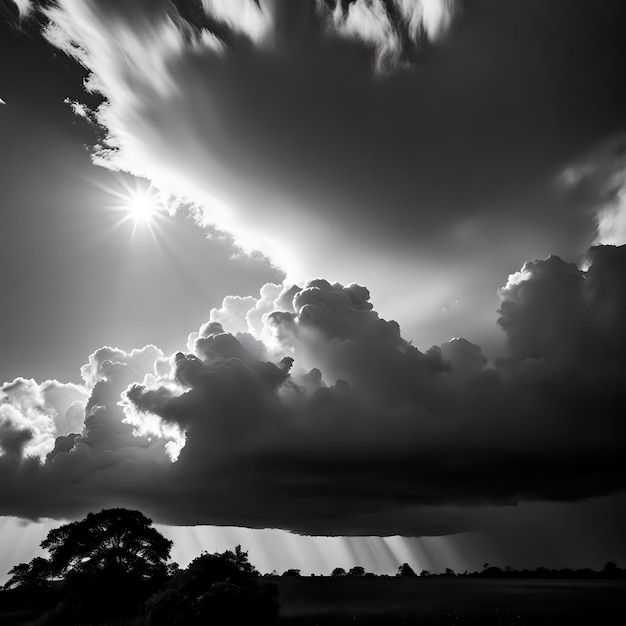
(451, 601)
(324, 601)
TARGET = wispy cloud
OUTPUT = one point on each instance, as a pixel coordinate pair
(24, 6)
(284, 124)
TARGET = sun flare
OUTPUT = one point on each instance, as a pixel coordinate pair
(143, 207)
(140, 205)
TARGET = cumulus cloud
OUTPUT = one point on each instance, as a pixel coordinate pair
(33, 415)
(316, 415)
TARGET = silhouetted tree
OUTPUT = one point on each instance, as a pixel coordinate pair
(291, 572)
(405, 570)
(425, 573)
(31, 580)
(215, 588)
(113, 539)
(338, 571)
(30, 576)
(492, 572)
(111, 562)
(357, 570)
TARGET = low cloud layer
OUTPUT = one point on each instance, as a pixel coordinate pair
(434, 141)
(315, 414)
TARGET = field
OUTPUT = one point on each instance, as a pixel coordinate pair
(450, 601)
(325, 601)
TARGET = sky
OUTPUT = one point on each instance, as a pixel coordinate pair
(343, 281)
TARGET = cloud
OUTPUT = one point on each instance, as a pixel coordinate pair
(24, 7)
(361, 140)
(317, 416)
(33, 415)
(416, 148)
(601, 177)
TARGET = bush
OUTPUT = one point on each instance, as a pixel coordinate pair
(217, 588)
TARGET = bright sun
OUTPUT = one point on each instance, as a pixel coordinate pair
(142, 207)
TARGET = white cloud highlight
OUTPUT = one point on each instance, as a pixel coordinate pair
(612, 220)
(33, 415)
(602, 173)
(242, 16)
(24, 6)
(370, 22)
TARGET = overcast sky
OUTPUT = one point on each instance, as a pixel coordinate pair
(350, 269)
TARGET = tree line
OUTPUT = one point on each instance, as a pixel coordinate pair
(114, 565)
(610, 571)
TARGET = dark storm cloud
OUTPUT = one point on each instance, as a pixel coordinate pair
(335, 424)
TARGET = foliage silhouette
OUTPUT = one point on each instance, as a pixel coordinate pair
(357, 570)
(107, 565)
(31, 581)
(113, 541)
(338, 571)
(291, 572)
(405, 570)
(215, 588)
(31, 576)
